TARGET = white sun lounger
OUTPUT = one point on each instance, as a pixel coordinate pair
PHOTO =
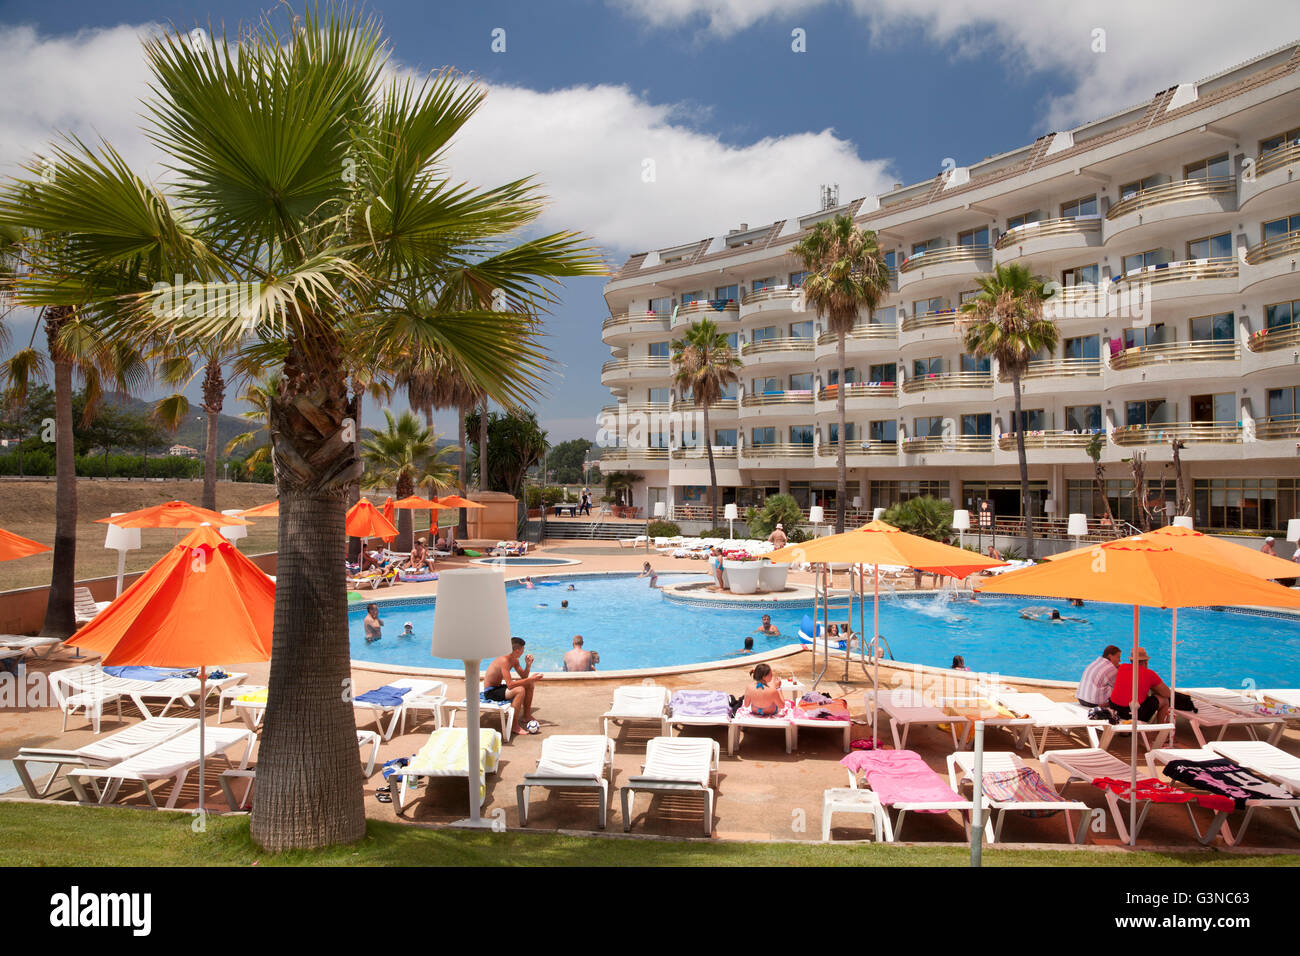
(90, 700)
(1219, 824)
(1090, 764)
(1254, 704)
(748, 722)
(111, 749)
(1004, 762)
(1264, 759)
(365, 738)
(1162, 734)
(504, 710)
(571, 762)
(894, 831)
(638, 704)
(712, 722)
(92, 678)
(378, 712)
(675, 764)
(842, 727)
(172, 759)
(905, 709)
(1050, 715)
(1209, 715)
(85, 607)
(1286, 696)
(38, 647)
(446, 754)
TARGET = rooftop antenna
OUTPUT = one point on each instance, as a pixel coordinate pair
(830, 196)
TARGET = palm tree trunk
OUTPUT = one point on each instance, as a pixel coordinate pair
(60, 617)
(1026, 512)
(309, 786)
(354, 490)
(405, 540)
(713, 472)
(214, 397)
(462, 519)
(483, 445)
(841, 462)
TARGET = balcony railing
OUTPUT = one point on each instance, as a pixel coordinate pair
(946, 255)
(638, 322)
(1047, 439)
(927, 383)
(1048, 227)
(635, 454)
(957, 443)
(643, 407)
(1219, 267)
(773, 294)
(1278, 337)
(1276, 248)
(1159, 434)
(929, 320)
(763, 399)
(863, 333)
(635, 365)
(1164, 353)
(1278, 426)
(721, 405)
(691, 452)
(859, 390)
(784, 343)
(1179, 191)
(715, 309)
(1076, 302)
(831, 449)
(780, 449)
(1056, 368)
(1277, 158)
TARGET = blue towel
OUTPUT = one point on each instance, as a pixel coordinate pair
(147, 673)
(386, 696)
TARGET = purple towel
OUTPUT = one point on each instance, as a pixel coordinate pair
(700, 703)
(386, 696)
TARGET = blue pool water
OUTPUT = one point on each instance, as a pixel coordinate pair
(633, 626)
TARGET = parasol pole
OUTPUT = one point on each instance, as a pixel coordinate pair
(1133, 738)
(1173, 672)
(203, 700)
(875, 653)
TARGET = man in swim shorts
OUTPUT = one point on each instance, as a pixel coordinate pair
(579, 659)
(373, 624)
(768, 628)
(499, 686)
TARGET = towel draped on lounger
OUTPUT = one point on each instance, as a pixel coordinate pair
(900, 776)
(386, 696)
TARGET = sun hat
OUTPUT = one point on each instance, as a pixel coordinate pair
(1268, 540)
(780, 527)
(409, 624)
(1140, 655)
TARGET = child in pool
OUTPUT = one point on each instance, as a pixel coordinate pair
(764, 697)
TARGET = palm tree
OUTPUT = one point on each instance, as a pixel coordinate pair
(178, 368)
(301, 164)
(847, 273)
(403, 456)
(1093, 450)
(1006, 323)
(258, 396)
(704, 365)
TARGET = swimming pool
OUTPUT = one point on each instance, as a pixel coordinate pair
(633, 626)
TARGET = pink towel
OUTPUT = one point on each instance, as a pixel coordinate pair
(900, 776)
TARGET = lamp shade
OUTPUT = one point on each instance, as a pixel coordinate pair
(857, 502)
(1183, 521)
(961, 520)
(233, 532)
(122, 539)
(877, 514)
(470, 618)
(1049, 506)
(661, 509)
(1078, 525)
(816, 514)
(730, 512)
(1293, 529)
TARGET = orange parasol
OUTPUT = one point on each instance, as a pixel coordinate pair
(269, 510)
(1143, 572)
(173, 514)
(204, 602)
(365, 521)
(1208, 548)
(16, 546)
(456, 501)
(390, 515)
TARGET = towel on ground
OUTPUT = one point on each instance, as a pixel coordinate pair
(900, 776)
(386, 696)
(700, 703)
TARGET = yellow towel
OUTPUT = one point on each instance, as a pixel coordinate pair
(254, 697)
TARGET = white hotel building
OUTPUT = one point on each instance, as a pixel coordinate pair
(1172, 227)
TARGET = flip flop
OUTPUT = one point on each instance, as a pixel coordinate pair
(384, 797)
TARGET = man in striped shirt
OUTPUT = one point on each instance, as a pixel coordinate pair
(1098, 678)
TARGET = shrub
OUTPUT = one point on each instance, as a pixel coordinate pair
(664, 529)
(552, 495)
(927, 517)
(777, 509)
(533, 497)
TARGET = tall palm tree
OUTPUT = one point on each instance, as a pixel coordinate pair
(704, 365)
(403, 456)
(178, 367)
(1005, 322)
(1096, 445)
(847, 273)
(258, 397)
(301, 163)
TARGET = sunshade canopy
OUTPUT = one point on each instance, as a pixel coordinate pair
(881, 543)
(269, 510)
(365, 521)
(1208, 548)
(456, 501)
(416, 503)
(16, 546)
(173, 514)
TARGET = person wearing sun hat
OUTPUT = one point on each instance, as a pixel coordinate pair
(777, 537)
(1152, 694)
(1267, 547)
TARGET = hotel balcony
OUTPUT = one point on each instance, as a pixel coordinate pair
(861, 338)
(860, 396)
(1049, 376)
(1274, 339)
(857, 449)
(934, 267)
(623, 328)
(1274, 180)
(1150, 211)
(1271, 266)
(725, 407)
(781, 299)
(723, 313)
(1164, 353)
(1133, 294)
(934, 388)
(1047, 236)
(782, 349)
(689, 465)
(777, 455)
(1049, 439)
(956, 445)
(1087, 302)
(635, 457)
(644, 408)
(928, 327)
(700, 453)
(772, 404)
(1219, 433)
(625, 370)
(1278, 428)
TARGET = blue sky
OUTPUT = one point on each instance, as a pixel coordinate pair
(743, 128)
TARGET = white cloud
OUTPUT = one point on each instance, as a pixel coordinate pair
(1148, 46)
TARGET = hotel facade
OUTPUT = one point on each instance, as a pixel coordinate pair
(1171, 232)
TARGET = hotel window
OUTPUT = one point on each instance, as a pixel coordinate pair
(1024, 219)
(689, 297)
(884, 494)
(1210, 247)
(850, 431)
(886, 316)
(1033, 419)
(1282, 314)
(885, 430)
(763, 436)
(1083, 418)
(933, 365)
(1281, 141)
(923, 306)
(1214, 408)
(657, 395)
(724, 437)
(975, 363)
(767, 386)
(1216, 167)
(801, 434)
(1153, 411)
(931, 427)
(1138, 185)
(1283, 403)
(760, 284)
(801, 330)
(764, 334)
(733, 341)
(885, 372)
(1082, 497)
(664, 304)
(974, 237)
(1238, 504)
(1148, 335)
(977, 426)
(730, 392)
(967, 296)
(1278, 228)
(727, 292)
(801, 382)
(1213, 328)
(659, 349)
(1081, 275)
(1083, 347)
(891, 262)
(657, 440)
(1140, 260)
(796, 278)
(924, 245)
(1077, 208)
(833, 376)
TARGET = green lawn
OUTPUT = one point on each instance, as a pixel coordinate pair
(120, 837)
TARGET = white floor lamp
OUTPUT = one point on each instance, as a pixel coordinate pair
(816, 514)
(1076, 527)
(731, 513)
(121, 540)
(471, 623)
(961, 524)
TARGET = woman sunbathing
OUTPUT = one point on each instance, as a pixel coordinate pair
(764, 697)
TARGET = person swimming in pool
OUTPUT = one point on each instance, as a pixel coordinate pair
(528, 582)
(408, 632)
(764, 697)
(651, 573)
(1049, 614)
(373, 624)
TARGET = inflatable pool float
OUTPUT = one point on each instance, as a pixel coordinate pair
(806, 631)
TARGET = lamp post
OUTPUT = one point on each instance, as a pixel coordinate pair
(471, 623)
(730, 512)
(661, 509)
(121, 540)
